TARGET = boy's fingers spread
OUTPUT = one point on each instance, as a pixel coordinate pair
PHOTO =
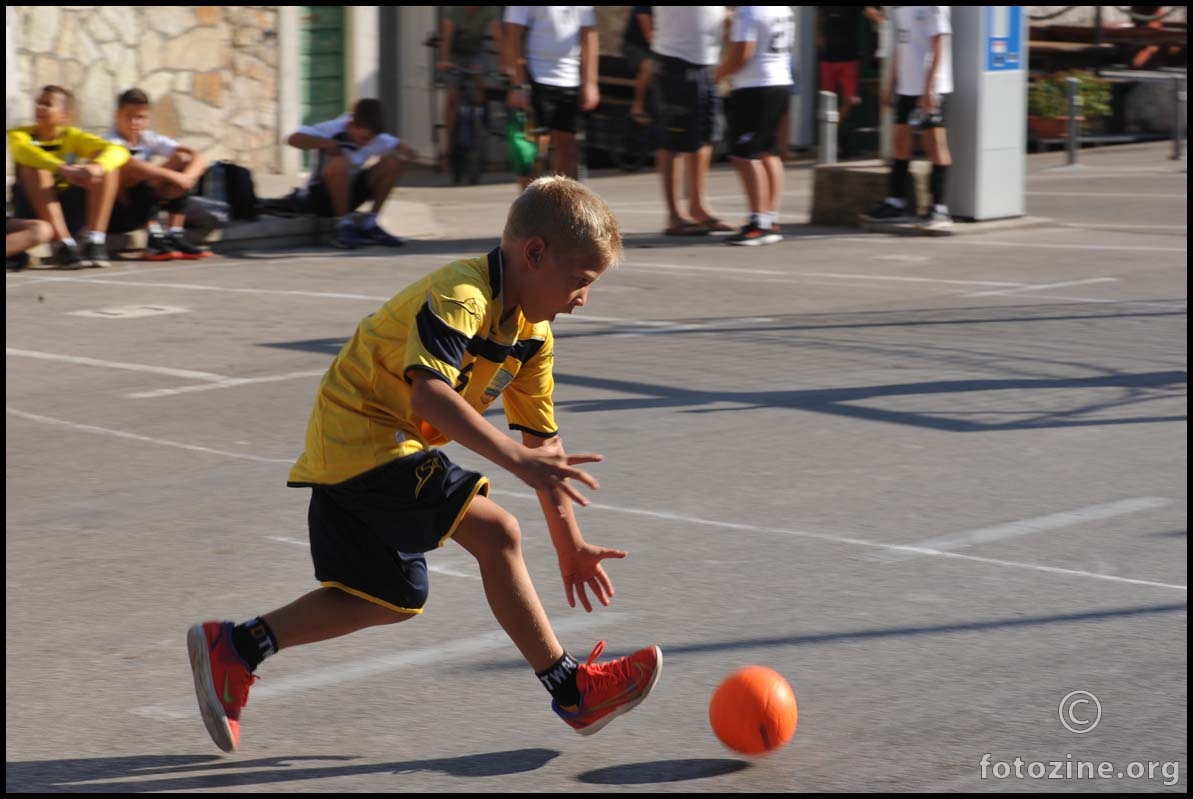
(614, 553)
(585, 457)
(571, 597)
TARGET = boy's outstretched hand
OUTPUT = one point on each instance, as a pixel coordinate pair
(549, 466)
(583, 567)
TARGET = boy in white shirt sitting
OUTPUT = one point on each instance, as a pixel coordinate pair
(339, 183)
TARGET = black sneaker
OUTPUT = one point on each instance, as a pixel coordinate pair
(67, 256)
(886, 211)
(16, 262)
(751, 235)
(96, 254)
(378, 235)
(345, 237)
(159, 248)
(186, 251)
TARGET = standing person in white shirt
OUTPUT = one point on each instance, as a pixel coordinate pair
(758, 62)
(339, 183)
(552, 59)
(145, 186)
(921, 81)
(687, 47)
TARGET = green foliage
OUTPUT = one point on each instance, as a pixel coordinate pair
(1048, 96)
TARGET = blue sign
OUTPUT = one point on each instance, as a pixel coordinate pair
(1004, 38)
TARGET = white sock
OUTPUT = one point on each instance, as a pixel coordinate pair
(765, 221)
(368, 221)
(155, 228)
(177, 230)
(941, 209)
(97, 237)
(70, 242)
(895, 201)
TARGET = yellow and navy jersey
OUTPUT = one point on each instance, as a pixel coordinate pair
(449, 324)
(67, 146)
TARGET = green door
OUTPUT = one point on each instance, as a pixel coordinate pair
(321, 64)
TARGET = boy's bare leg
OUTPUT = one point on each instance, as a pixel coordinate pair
(327, 613)
(698, 165)
(772, 194)
(382, 179)
(336, 178)
(100, 199)
(750, 172)
(38, 185)
(491, 535)
(24, 234)
(670, 176)
(565, 158)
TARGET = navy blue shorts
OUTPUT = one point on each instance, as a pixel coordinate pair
(368, 533)
(689, 103)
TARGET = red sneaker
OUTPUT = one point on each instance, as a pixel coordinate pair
(608, 690)
(222, 680)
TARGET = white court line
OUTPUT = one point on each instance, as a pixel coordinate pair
(431, 567)
(132, 367)
(1042, 246)
(729, 270)
(228, 382)
(674, 517)
(459, 650)
(1044, 286)
(696, 327)
(331, 295)
(1040, 524)
(1123, 226)
(1105, 194)
(107, 431)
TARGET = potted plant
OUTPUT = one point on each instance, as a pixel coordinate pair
(1048, 102)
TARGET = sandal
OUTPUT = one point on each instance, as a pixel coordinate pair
(686, 229)
(714, 225)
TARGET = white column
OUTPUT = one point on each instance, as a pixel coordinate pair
(415, 24)
(289, 104)
(362, 46)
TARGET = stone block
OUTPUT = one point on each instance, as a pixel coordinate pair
(840, 192)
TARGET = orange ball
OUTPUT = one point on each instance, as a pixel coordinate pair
(753, 710)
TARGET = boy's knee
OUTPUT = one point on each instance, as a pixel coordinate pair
(503, 537)
(336, 165)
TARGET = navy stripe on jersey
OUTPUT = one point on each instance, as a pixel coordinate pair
(495, 271)
(525, 350)
(489, 350)
(441, 339)
(538, 433)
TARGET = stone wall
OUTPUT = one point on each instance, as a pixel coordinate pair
(211, 71)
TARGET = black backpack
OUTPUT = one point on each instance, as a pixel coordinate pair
(231, 183)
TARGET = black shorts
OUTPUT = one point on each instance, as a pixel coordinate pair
(689, 103)
(318, 201)
(753, 116)
(906, 103)
(73, 200)
(635, 56)
(138, 206)
(555, 107)
(368, 533)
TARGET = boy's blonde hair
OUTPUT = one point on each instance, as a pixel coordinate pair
(567, 215)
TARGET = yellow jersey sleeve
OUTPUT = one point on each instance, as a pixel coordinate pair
(528, 400)
(443, 326)
(103, 152)
(27, 153)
